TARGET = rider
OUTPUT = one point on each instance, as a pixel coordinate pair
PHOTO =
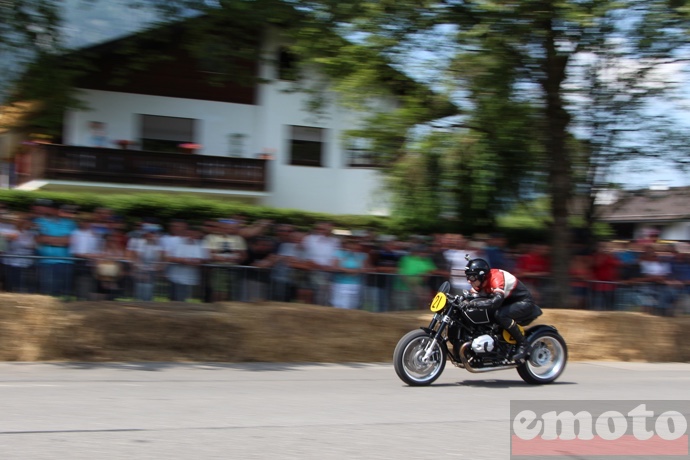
(502, 292)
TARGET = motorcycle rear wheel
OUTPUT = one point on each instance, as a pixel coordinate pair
(547, 359)
(409, 363)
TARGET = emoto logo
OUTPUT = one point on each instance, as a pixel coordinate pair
(592, 429)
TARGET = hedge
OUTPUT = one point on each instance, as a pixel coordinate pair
(195, 209)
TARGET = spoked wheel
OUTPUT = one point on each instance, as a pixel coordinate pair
(547, 359)
(413, 364)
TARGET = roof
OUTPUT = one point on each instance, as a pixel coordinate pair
(649, 205)
(398, 82)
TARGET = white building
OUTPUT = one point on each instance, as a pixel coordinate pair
(310, 164)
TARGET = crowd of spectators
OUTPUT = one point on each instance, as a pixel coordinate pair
(57, 250)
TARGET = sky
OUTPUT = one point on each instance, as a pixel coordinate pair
(651, 174)
(95, 21)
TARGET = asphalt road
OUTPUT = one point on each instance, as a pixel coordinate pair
(286, 411)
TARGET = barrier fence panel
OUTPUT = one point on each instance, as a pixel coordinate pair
(74, 279)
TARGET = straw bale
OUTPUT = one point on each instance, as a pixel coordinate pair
(113, 331)
(307, 333)
(621, 336)
(25, 325)
(37, 328)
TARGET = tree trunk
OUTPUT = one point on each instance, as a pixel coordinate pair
(559, 158)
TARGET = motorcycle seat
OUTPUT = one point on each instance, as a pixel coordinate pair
(536, 313)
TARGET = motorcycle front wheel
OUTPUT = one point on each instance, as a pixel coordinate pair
(409, 362)
(547, 359)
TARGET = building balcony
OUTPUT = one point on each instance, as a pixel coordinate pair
(127, 168)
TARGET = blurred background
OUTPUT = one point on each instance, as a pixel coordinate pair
(446, 117)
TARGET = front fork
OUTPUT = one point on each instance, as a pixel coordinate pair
(429, 349)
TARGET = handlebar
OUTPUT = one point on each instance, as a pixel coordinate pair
(458, 300)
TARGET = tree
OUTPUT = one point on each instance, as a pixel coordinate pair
(529, 51)
(624, 114)
(29, 29)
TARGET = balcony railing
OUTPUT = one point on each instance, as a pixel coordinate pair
(92, 164)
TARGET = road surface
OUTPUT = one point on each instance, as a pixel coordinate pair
(286, 411)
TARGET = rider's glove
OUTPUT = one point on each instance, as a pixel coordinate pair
(480, 303)
(492, 302)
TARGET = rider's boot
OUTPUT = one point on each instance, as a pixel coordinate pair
(521, 352)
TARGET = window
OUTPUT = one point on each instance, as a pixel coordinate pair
(165, 134)
(359, 153)
(306, 146)
(287, 65)
(236, 141)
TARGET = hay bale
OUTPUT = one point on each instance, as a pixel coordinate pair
(620, 336)
(34, 328)
(113, 331)
(26, 323)
(307, 333)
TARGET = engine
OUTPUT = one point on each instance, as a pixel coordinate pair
(483, 344)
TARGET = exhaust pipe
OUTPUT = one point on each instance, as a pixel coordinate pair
(482, 370)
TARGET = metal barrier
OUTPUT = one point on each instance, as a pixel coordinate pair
(80, 279)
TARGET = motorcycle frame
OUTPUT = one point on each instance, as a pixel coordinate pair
(445, 319)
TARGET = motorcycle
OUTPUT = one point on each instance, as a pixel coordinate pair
(471, 340)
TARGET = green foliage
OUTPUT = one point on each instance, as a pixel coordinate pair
(32, 68)
(195, 209)
(521, 220)
(520, 226)
(28, 27)
(49, 82)
(468, 177)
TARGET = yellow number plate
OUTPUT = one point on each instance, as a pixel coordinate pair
(439, 302)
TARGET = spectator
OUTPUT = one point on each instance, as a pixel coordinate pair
(320, 247)
(349, 262)
(186, 257)
(301, 270)
(259, 228)
(441, 270)
(7, 228)
(680, 267)
(137, 231)
(226, 249)
(84, 245)
(147, 261)
(476, 247)
(261, 255)
(580, 277)
(457, 248)
(534, 262)
(605, 277)
(629, 256)
(41, 208)
(109, 269)
(97, 134)
(103, 221)
(283, 277)
(495, 252)
(533, 268)
(54, 235)
(177, 229)
(383, 263)
(656, 293)
(414, 268)
(7, 231)
(20, 242)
